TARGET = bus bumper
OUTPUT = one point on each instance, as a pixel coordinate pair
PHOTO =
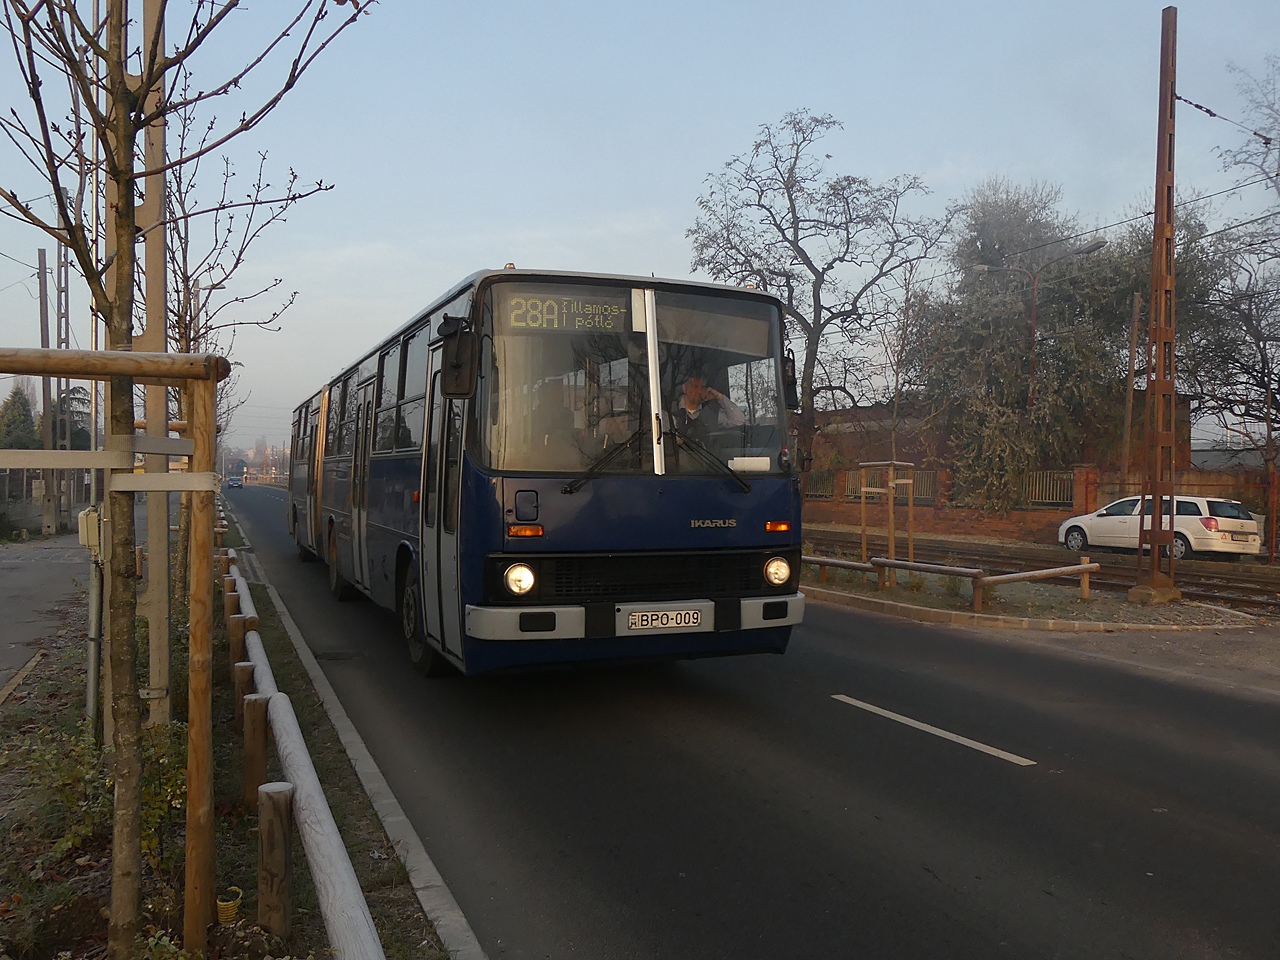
(633, 619)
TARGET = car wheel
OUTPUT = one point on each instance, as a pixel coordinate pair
(425, 658)
(1075, 540)
(1182, 547)
(338, 584)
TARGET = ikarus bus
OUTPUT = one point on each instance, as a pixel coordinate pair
(548, 467)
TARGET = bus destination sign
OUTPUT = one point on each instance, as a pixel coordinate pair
(535, 309)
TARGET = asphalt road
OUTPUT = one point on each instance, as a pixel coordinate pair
(1053, 807)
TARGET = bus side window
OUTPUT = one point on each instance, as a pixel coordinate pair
(433, 450)
(384, 428)
(452, 465)
(389, 381)
(335, 419)
(350, 407)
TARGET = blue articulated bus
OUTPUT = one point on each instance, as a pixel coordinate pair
(548, 468)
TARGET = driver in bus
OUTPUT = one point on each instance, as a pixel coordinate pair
(703, 408)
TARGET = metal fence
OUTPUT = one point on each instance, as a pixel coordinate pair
(925, 486)
(1049, 488)
(821, 485)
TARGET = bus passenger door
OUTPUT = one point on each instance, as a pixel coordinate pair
(450, 494)
(360, 483)
(432, 584)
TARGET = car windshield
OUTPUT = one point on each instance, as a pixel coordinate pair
(1121, 508)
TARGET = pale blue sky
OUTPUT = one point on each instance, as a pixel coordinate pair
(577, 135)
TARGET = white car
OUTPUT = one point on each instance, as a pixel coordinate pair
(1201, 525)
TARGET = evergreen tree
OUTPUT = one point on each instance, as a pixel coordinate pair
(18, 423)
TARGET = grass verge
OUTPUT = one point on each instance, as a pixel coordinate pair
(55, 815)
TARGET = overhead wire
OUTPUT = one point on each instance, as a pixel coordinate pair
(20, 263)
(1268, 141)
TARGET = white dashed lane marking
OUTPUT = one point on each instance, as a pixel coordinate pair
(936, 731)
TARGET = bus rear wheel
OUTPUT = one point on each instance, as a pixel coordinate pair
(338, 584)
(426, 660)
(304, 552)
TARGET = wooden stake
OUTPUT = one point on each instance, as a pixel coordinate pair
(235, 636)
(242, 676)
(230, 599)
(198, 906)
(255, 745)
(1084, 581)
(275, 870)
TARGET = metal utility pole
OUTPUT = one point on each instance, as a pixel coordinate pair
(48, 499)
(1125, 451)
(1155, 574)
(153, 604)
(62, 288)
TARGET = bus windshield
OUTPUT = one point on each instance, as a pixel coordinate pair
(566, 377)
(719, 381)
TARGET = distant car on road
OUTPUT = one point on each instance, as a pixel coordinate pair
(1201, 525)
(235, 482)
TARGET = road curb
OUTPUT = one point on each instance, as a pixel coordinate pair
(433, 893)
(908, 611)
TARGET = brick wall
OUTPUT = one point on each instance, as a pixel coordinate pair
(1091, 489)
(1034, 525)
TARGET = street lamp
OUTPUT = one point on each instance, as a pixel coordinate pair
(1092, 246)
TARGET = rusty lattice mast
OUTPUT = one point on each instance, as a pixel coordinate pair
(1156, 569)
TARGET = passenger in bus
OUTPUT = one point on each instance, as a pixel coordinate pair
(703, 408)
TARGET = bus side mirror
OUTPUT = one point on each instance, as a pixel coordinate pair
(458, 373)
(790, 395)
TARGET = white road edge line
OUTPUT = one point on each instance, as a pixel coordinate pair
(936, 731)
(433, 893)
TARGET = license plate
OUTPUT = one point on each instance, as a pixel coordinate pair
(663, 619)
(1242, 536)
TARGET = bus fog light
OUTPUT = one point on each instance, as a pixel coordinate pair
(777, 572)
(519, 579)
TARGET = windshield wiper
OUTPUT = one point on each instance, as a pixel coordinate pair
(710, 459)
(606, 458)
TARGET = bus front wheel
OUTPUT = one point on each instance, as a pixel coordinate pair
(425, 659)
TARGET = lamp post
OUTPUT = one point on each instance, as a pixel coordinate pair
(1092, 247)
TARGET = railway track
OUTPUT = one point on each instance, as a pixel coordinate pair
(1239, 586)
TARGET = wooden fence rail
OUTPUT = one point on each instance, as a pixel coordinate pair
(981, 581)
(352, 935)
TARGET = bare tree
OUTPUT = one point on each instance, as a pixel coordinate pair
(828, 247)
(93, 89)
(1259, 153)
(208, 243)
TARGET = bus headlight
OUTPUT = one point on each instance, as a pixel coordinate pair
(519, 579)
(777, 572)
